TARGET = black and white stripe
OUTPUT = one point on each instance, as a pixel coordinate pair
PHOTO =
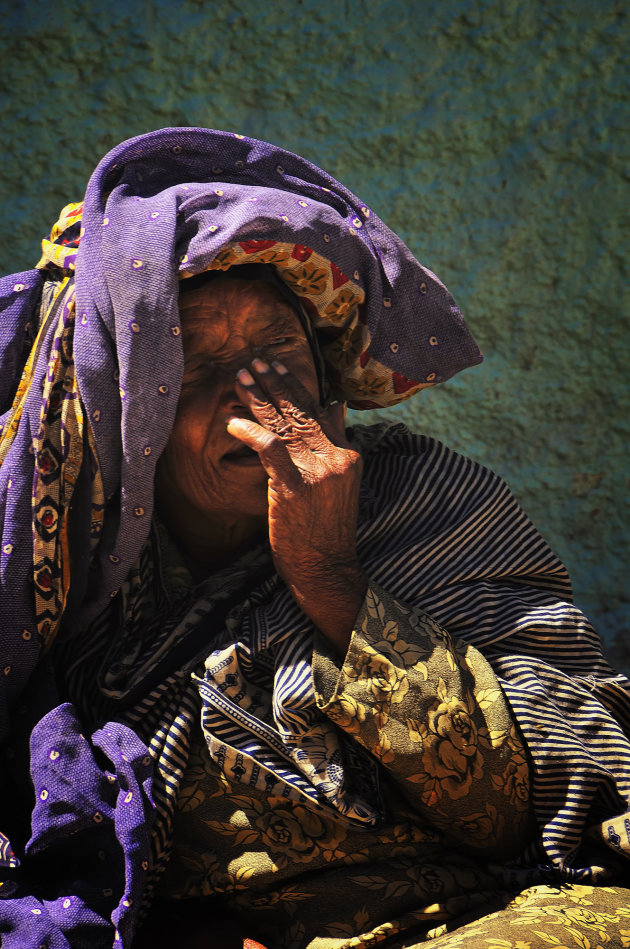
(446, 536)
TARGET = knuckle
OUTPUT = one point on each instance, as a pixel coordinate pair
(306, 419)
(287, 432)
(266, 413)
(269, 443)
(356, 462)
(348, 462)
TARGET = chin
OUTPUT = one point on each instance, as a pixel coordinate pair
(254, 507)
(249, 502)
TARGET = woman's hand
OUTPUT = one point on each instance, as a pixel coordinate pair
(313, 494)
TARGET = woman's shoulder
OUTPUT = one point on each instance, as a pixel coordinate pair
(394, 444)
(413, 471)
(423, 502)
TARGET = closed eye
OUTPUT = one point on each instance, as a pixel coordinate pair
(196, 372)
(294, 342)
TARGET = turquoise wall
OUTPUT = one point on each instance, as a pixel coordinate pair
(492, 136)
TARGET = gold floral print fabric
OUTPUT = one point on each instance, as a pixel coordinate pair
(300, 876)
(544, 917)
(454, 778)
(433, 713)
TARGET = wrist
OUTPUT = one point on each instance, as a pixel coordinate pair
(332, 599)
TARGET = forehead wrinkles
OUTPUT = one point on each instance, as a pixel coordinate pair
(213, 319)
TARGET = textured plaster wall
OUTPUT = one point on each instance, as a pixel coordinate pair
(491, 136)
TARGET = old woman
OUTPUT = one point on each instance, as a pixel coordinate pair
(267, 676)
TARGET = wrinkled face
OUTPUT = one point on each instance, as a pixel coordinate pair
(204, 471)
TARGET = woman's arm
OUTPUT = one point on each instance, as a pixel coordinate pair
(433, 713)
(313, 496)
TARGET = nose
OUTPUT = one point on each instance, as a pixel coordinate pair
(225, 381)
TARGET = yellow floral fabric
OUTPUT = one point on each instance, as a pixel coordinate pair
(544, 917)
(435, 717)
(455, 781)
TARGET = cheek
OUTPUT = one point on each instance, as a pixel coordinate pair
(191, 431)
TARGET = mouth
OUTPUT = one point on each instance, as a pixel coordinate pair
(241, 455)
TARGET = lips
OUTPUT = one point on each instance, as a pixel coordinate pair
(241, 453)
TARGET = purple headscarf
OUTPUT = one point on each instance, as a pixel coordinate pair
(159, 208)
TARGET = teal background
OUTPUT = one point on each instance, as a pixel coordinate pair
(493, 137)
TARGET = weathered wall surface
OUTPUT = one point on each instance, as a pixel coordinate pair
(491, 135)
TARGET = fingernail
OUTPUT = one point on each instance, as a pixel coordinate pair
(245, 377)
(233, 420)
(259, 365)
(280, 368)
